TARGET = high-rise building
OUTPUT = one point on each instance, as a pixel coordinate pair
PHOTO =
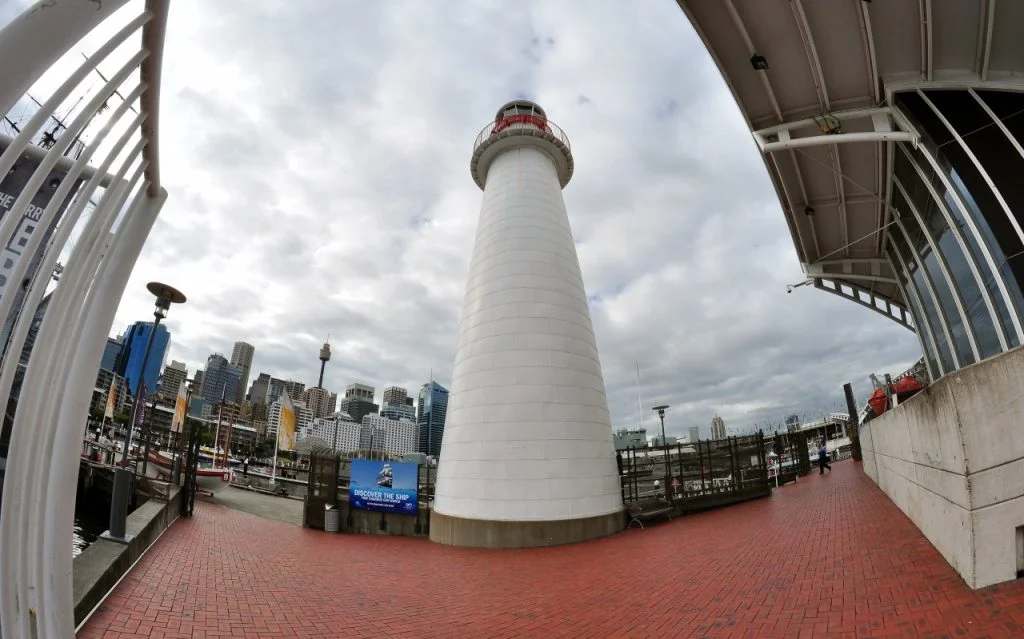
(394, 395)
(129, 364)
(197, 384)
(295, 389)
(241, 355)
(529, 416)
(718, 428)
(431, 415)
(362, 391)
(303, 418)
(396, 404)
(398, 411)
(220, 380)
(357, 407)
(358, 401)
(110, 353)
(694, 434)
(275, 390)
(259, 389)
(340, 432)
(334, 403)
(174, 374)
(318, 400)
(393, 437)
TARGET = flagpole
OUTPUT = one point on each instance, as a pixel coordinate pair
(277, 440)
(639, 403)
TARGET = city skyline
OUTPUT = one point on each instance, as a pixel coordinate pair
(684, 249)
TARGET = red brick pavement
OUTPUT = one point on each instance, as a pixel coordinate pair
(828, 557)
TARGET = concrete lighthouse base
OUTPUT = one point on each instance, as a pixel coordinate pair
(482, 533)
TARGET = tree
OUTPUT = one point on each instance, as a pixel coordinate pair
(121, 418)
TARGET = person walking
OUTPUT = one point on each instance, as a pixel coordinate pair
(823, 458)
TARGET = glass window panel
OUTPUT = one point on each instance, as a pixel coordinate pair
(1008, 108)
(947, 301)
(915, 311)
(984, 209)
(918, 283)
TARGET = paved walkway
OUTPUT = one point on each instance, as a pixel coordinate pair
(827, 557)
(261, 504)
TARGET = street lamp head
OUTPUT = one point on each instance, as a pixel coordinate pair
(165, 296)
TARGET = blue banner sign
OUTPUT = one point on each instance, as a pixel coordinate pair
(386, 486)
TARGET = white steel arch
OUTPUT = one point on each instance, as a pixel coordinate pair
(36, 517)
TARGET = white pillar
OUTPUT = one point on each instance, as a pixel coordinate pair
(40, 36)
(527, 457)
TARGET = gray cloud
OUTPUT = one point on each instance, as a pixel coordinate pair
(317, 159)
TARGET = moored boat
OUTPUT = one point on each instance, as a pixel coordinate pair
(211, 480)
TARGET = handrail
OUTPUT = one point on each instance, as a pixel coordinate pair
(525, 122)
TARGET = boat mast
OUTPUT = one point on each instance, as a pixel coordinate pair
(639, 402)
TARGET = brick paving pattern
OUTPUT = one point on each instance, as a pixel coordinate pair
(827, 557)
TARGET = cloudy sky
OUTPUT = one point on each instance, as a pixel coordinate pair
(317, 159)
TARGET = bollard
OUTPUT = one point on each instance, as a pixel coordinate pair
(119, 507)
(176, 470)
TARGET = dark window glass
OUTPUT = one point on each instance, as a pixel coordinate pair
(920, 325)
(919, 284)
(933, 270)
(997, 234)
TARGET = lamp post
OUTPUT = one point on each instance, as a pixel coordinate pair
(165, 296)
(664, 442)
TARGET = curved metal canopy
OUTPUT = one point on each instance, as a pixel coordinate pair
(814, 80)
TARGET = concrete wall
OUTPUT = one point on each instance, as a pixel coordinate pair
(952, 459)
(99, 567)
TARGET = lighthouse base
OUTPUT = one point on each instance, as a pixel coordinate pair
(490, 533)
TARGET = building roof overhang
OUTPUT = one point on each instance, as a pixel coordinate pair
(814, 81)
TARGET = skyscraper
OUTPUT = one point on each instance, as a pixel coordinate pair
(259, 390)
(220, 380)
(527, 457)
(694, 434)
(394, 395)
(129, 364)
(431, 415)
(174, 374)
(295, 389)
(395, 404)
(241, 355)
(318, 401)
(358, 401)
(718, 428)
(110, 353)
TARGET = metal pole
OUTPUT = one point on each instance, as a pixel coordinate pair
(142, 380)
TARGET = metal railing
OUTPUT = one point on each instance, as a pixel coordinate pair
(116, 170)
(521, 122)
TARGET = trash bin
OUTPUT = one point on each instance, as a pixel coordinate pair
(331, 519)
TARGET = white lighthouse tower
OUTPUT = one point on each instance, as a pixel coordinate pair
(527, 457)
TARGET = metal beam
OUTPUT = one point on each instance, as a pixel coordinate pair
(779, 137)
(751, 51)
(925, 9)
(986, 24)
(869, 48)
(804, 27)
(818, 140)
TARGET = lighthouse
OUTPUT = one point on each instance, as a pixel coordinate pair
(527, 457)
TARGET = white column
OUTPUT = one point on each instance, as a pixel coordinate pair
(40, 36)
(528, 437)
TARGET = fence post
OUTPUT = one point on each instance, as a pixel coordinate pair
(700, 463)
